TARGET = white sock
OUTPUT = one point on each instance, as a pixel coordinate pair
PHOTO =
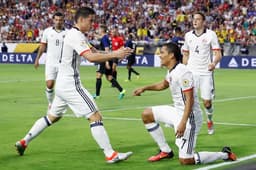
(101, 137)
(49, 95)
(208, 157)
(37, 128)
(157, 134)
(209, 113)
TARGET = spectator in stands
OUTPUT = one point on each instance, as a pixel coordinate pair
(4, 48)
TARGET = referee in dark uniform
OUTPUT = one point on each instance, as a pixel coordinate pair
(131, 58)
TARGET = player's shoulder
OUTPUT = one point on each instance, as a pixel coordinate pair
(182, 69)
(209, 31)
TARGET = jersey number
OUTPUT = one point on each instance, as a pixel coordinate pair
(57, 42)
(197, 50)
(184, 141)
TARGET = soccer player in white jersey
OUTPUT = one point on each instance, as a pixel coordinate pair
(69, 90)
(201, 53)
(52, 40)
(185, 115)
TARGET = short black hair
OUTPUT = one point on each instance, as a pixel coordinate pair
(200, 13)
(104, 27)
(84, 12)
(177, 30)
(173, 48)
(58, 14)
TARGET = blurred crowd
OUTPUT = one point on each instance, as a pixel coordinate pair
(149, 20)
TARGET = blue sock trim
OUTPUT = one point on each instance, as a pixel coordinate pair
(154, 128)
(97, 123)
(47, 121)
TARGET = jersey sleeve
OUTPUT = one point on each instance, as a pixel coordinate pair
(215, 43)
(80, 44)
(185, 45)
(44, 37)
(186, 82)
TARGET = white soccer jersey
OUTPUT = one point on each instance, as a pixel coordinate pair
(54, 41)
(75, 44)
(180, 80)
(69, 89)
(200, 50)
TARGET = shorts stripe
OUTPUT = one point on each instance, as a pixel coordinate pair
(192, 134)
(78, 86)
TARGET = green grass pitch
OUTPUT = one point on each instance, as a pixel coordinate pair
(68, 144)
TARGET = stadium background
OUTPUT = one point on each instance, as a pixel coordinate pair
(152, 21)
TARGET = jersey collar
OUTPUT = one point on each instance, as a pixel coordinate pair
(194, 32)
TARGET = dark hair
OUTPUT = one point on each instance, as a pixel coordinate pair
(104, 27)
(58, 14)
(84, 12)
(177, 30)
(199, 13)
(175, 49)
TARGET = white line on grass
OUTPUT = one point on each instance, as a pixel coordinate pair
(137, 119)
(228, 163)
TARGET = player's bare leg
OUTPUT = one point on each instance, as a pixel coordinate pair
(49, 92)
(209, 113)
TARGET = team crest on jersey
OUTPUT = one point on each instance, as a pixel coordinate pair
(185, 83)
(83, 43)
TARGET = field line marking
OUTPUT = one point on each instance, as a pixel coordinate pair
(137, 119)
(228, 163)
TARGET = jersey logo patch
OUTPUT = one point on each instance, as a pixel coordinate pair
(185, 83)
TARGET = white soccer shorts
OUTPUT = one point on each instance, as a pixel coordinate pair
(51, 72)
(205, 84)
(172, 117)
(79, 100)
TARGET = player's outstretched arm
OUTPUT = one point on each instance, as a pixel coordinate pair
(154, 87)
(102, 57)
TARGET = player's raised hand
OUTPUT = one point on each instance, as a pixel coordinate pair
(123, 52)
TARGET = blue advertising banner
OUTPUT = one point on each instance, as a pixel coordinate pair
(238, 62)
(141, 60)
(17, 58)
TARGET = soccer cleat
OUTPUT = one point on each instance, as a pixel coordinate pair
(231, 155)
(161, 155)
(116, 157)
(95, 96)
(121, 94)
(20, 147)
(127, 80)
(138, 77)
(210, 127)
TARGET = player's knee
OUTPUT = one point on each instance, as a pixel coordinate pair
(147, 116)
(95, 117)
(187, 161)
(207, 103)
(50, 84)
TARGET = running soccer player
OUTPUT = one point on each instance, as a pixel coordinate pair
(184, 116)
(201, 53)
(131, 58)
(106, 67)
(70, 91)
(52, 40)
